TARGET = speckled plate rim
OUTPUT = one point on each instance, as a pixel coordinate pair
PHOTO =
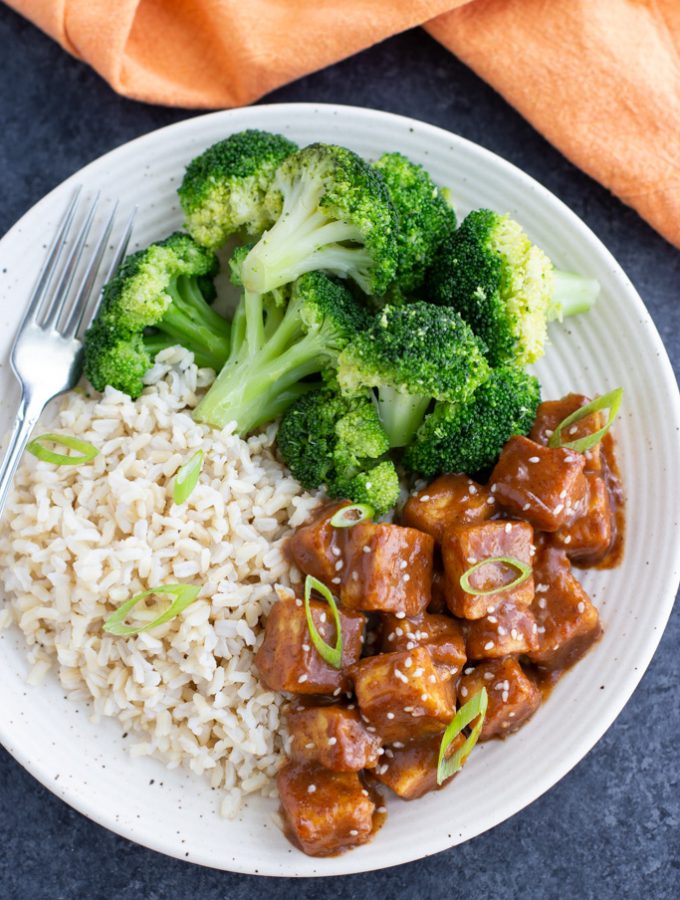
(356, 862)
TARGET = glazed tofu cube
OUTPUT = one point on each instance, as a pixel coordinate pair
(513, 696)
(402, 695)
(466, 545)
(568, 623)
(387, 568)
(332, 736)
(324, 812)
(449, 499)
(552, 412)
(588, 539)
(442, 636)
(541, 484)
(287, 659)
(315, 547)
(411, 770)
(508, 630)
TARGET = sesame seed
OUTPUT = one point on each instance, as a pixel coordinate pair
(399, 631)
(511, 715)
(463, 692)
(302, 679)
(400, 615)
(498, 686)
(567, 539)
(494, 488)
(390, 715)
(298, 602)
(491, 500)
(469, 670)
(408, 662)
(424, 698)
(563, 495)
(382, 769)
(370, 728)
(408, 709)
(309, 746)
(541, 588)
(306, 648)
(366, 548)
(464, 498)
(364, 792)
(338, 566)
(390, 636)
(541, 629)
(337, 692)
(581, 606)
(489, 645)
(473, 489)
(472, 560)
(323, 617)
(526, 507)
(558, 509)
(336, 551)
(534, 628)
(418, 672)
(514, 634)
(353, 706)
(403, 564)
(400, 675)
(407, 577)
(502, 631)
(491, 609)
(311, 788)
(534, 459)
(488, 676)
(504, 696)
(382, 809)
(410, 645)
(424, 498)
(542, 602)
(332, 741)
(398, 745)
(508, 528)
(433, 679)
(573, 429)
(389, 754)
(336, 580)
(492, 619)
(380, 751)
(532, 551)
(353, 832)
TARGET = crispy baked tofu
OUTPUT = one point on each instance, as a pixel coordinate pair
(410, 770)
(552, 412)
(465, 545)
(589, 538)
(543, 485)
(508, 630)
(331, 735)
(449, 499)
(287, 659)
(402, 695)
(513, 696)
(442, 636)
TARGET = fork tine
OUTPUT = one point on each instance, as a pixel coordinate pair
(49, 266)
(82, 297)
(118, 255)
(60, 292)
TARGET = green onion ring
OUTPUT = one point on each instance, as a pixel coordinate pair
(524, 573)
(88, 451)
(475, 707)
(352, 515)
(610, 401)
(331, 655)
(184, 595)
(186, 478)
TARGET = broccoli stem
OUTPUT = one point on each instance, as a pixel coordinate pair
(190, 321)
(401, 414)
(572, 294)
(303, 239)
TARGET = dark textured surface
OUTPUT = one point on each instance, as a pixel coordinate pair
(610, 828)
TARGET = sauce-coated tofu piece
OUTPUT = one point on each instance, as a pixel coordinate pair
(332, 736)
(552, 412)
(568, 623)
(315, 547)
(449, 499)
(437, 604)
(513, 696)
(410, 770)
(387, 568)
(287, 659)
(324, 812)
(442, 636)
(465, 545)
(544, 485)
(402, 695)
(588, 539)
(509, 630)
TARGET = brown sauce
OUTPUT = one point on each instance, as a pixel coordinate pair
(612, 477)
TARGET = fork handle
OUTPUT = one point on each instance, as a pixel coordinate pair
(27, 415)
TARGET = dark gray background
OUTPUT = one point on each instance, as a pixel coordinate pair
(610, 828)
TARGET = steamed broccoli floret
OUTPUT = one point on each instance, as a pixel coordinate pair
(504, 286)
(425, 218)
(413, 354)
(333, 214)
(267, 363)
(327, 439)
(469, 437)
(223, 189)
(156, 299)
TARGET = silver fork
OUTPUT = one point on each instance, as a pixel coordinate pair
(47, 354)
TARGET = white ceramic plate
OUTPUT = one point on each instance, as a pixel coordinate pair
(616, 344)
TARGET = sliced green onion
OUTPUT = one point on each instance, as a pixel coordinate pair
(87, 451)
(610, 401)
(186, 478)
(332, 655)
(475, 707)
(352, 515)
(184, 595)
(524, 573)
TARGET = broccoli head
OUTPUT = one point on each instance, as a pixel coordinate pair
(223, 189)
(335, 441)
(332, 213)
(504, 286)
(469, 437)
(157, 298)
(277, 348)
(425, 218)
(411, 355)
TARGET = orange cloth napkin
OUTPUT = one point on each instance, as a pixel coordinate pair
(599, 78)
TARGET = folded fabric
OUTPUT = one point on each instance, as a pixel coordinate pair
(599, 78)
